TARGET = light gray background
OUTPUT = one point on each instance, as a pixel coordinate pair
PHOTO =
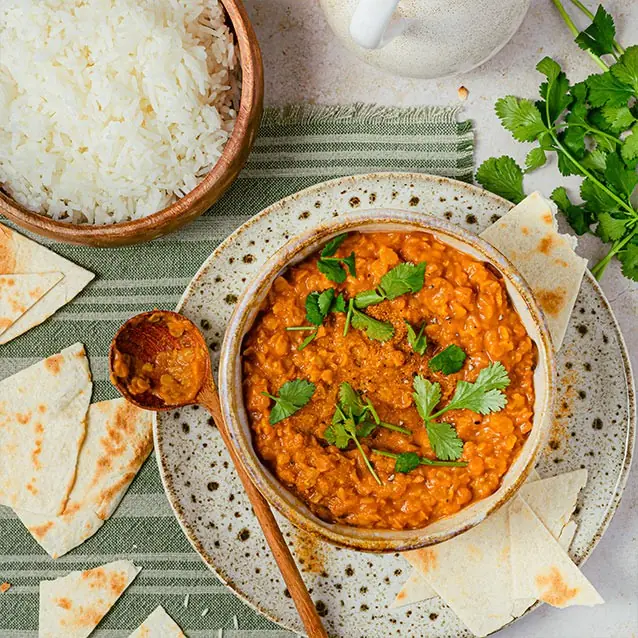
(305, 62)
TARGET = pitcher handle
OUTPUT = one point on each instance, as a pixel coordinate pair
(369, 26)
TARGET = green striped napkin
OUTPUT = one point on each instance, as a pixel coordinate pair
(297, 147)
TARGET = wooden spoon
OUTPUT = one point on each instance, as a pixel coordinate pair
(169, 340)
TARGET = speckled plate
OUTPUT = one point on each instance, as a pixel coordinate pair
(594, 424)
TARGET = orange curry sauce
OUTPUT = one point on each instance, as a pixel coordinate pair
(462, 302)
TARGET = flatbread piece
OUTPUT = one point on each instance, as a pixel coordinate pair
(19, 256)
(73, 606)
(42, 426)
(19, 292)
(119, 438)
(158, 625)
(528, 235)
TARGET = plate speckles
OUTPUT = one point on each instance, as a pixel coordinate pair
(594, 423)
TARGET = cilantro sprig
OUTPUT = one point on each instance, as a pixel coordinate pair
(483, 396)
(318, 306)
(293, 395)
(418, 341)
(402, 279)
(592, 127)
(333, 267)
(448, 361)
(374, 328)
(408, 461)
(355, 419)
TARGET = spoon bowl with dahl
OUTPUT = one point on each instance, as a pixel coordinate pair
(159, 361)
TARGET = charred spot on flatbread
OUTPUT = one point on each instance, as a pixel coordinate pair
(553, 588)
(552, 301)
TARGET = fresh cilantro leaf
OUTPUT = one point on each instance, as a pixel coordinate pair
(407, 462)
(374, 329)
(596, 199)
(332, 246)
(624, 180)
(314, 315)
(324, 301)
(484, 395)
(400, 280)
(619, 118)
(502, 176)
(555, 92)
(366, 429)
(604, 89)
(336, 435)
(520, 117)
(350, 401)
(595, 160)
(579, 218)
(629, 149)
(426, 396)
(349, 261)
(599, 36)
(418, 342)
(339, 304)
(293, 395)
(629, 260)
(610, 228)
(448, 361)
(332, 269)
(403, 279)
(626, 69)
(535, 159)
(444, 441)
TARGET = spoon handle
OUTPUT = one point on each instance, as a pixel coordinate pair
(209, 398)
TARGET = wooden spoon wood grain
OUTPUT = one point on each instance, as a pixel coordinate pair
(140, 340)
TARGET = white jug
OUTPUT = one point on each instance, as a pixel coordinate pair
(425, 38)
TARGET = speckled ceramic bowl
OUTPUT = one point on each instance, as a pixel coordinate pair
(230, 382)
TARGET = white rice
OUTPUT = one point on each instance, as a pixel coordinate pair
(111, 109)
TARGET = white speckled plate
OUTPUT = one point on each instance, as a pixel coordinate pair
(594, 424)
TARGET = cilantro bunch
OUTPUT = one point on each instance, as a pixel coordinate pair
(592, 126)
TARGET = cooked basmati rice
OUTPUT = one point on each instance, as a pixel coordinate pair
(111, 109)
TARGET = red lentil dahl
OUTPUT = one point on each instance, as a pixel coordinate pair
(463, 302)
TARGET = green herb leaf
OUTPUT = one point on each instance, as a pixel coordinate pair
(555, 92)
(339, 304)
(606, 89)
(629, 149)
(402, 279)
(314, 315)
(336, 435)
(332, 246)
(578, 217)
(366, 429)
(426, 396)
(349, 261)
(418, 342)
(623, 179)
(444, 441)
(626, 69)
(293, 395)
(368, 298)
(619, 118)
(599, 36)
(610, 228)
(484, 395)
(502, 176)
(324, 302)
(307, 341)
(374, 329)
(520, 117)
(350, 401)
(407, 462)
(629, 260)
(535, 159)
(597, 199)
(333, 270)
(448, 361)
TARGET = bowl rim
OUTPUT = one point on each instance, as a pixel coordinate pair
(237, 327)
(160, 222)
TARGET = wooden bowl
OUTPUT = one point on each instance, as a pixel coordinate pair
(207, 192)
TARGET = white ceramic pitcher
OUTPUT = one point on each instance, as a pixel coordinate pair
(425, 38)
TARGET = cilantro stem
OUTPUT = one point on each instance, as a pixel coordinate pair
(348, 317)
(574, 29)
(616, 247)
(422, 460)
(394, 428)
(270, 396)
(366, 460)
(591, 129)
(591, 16)
(293, 328)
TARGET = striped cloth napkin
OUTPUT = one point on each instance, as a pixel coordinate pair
(298, 146)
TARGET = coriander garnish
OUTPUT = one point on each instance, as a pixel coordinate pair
(409, 461)
(374, 329)
(333, 267)
(404, 278)
(350, 422)
(483, 396)
(448, 361)
(418, 342)
(318, 306)
(293, 395)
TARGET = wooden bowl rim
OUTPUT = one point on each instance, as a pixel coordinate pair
(252, 84)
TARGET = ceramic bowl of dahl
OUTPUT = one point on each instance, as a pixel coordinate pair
(233, 401)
